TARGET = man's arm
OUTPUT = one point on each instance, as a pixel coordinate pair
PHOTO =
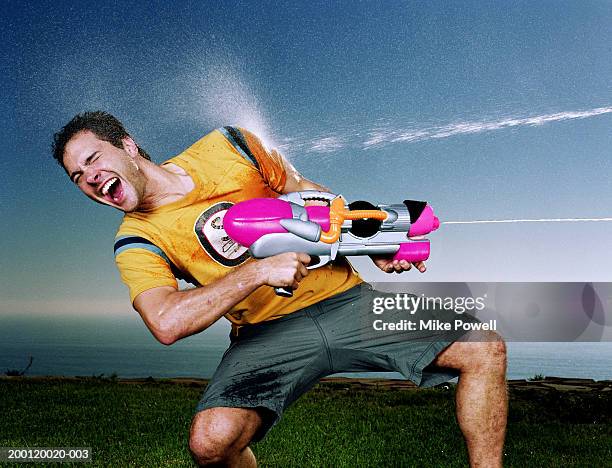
(171, 314)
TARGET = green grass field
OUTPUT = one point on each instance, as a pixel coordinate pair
(336, 424)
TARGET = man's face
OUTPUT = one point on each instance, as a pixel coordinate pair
(105, 173)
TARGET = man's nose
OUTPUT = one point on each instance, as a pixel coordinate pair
(93, 177)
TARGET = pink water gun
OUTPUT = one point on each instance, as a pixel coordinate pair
(271, 226)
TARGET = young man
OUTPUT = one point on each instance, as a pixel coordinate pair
(173, 227)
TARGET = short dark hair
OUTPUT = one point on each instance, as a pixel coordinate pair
(102, 124)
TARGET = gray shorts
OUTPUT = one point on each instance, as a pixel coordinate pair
(270, 365)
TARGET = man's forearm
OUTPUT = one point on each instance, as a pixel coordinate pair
(188, 312)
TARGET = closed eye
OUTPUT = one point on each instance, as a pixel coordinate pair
(92, 158)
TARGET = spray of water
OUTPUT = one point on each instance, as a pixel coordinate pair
(542, 220)
(384, 133)
(389, 134)
(213, 88)
(227, 98)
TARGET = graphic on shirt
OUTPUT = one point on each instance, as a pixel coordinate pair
(215, 241)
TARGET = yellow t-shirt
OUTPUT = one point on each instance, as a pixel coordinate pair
(185, 239)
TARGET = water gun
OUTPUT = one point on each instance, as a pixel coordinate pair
(271, 226)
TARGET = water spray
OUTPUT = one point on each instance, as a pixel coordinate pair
(541, 220)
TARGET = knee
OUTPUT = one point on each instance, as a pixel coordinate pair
(209, 448)
(216, 437)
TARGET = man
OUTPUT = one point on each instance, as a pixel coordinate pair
(280, 347)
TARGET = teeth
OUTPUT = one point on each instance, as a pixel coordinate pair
(107, 185)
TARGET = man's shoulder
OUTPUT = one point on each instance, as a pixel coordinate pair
(213, 137)
(221, 147)
(135, 235)
(133, 225)
(208, 145)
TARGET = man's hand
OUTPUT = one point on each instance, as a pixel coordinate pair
(389, 265)
(284, 270)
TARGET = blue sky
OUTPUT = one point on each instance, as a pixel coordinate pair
(489, 110)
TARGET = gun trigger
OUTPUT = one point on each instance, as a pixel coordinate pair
(334, 251)
(318, 261)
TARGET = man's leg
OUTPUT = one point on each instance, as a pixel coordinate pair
(220, 437)
(482, 399)
(266, 368)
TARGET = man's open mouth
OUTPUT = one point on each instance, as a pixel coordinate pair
(112, 190)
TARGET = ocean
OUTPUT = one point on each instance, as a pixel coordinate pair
(87, 346)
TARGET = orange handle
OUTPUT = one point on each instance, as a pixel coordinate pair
(338, 213)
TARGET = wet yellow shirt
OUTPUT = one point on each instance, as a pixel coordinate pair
(185, 238)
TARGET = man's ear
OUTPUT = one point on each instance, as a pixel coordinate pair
(130, 146)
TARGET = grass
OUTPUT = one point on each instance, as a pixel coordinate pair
(147, 424)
